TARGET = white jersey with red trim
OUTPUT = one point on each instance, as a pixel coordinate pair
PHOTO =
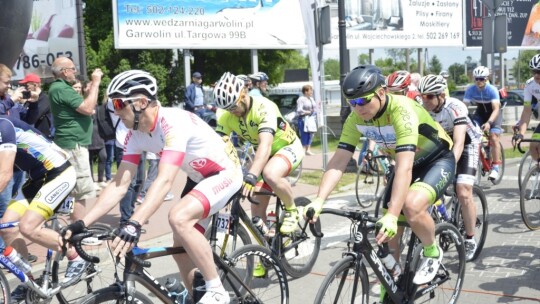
(181, 138)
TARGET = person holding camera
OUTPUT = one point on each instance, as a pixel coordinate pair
(38, 113)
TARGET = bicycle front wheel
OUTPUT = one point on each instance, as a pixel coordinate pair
(529, 199)
(481, 220)
(446, 286)
(367, 185)
(525, 165)
(5, 297)
(347, 282)
(114, 294)
(95, 276)
(267, 285)
(300, 249)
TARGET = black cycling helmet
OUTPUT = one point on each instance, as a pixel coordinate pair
(361, 81)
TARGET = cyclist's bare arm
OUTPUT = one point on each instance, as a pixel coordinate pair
(524, 119)
(334, 172)
(113, 193)
(458, 137)
(262, 154)
(156, 193)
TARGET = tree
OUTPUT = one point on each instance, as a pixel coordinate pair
(521, 68)
(456, 72)
(331, 68)
(435, 66)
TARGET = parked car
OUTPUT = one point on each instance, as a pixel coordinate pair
(514, 98)
(287, 106)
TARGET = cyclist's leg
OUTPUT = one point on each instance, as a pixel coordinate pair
(191, 216)
(433, 180)
(12, 236)
(494, 138)
(466, 176)
(534, 147)
(262, 200)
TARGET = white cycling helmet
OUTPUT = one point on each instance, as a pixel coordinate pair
(228, 90)
(432, 84)
(133, 81)
(481, 71)
(534, 64)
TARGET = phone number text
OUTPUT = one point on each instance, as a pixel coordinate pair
(34, 61)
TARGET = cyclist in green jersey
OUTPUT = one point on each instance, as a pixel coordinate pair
(425, 164)
(278, 151)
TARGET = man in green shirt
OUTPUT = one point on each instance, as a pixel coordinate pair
(72, 116)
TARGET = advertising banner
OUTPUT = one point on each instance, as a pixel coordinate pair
(203, 24)
(401, 23)
(52, 34)
(523, 22)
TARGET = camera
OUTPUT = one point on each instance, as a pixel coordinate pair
(26, 94)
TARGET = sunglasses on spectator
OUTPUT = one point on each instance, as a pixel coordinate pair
(480, 79)
(120, 103)
(429, 96)
(361, 101)
(535, 72)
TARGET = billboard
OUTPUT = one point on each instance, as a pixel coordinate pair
(523, 18)
(203, 24)
(400, 23)
(53, 33)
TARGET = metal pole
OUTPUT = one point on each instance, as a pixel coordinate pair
(80, 38)
(254, 61)
(344, 66)
(493, 44)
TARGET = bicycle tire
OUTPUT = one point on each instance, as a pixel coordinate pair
(5, 292)
(525, 165)
(529, 199)
(227, 243)
(338, 284)
(95, 276)
(367, 185)
(447, 284)
(295, 175)
(482, 219)
(298, 260)
(113, 294)
(271, 287)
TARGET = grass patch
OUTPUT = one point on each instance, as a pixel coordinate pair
(314, 177)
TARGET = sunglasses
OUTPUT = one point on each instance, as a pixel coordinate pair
(120, 103)
(480, 79)
(535, 72)
(429, 96)
(361, 101)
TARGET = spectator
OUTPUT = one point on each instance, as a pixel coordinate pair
(307, 117)
(39, 113)
(73, 124)
(97, 148)
(194, 99)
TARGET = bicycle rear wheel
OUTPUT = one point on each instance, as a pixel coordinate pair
(367, 184)
(446, 286)
(96, 276)
(294, 176)
(272, 287)
(300, 249)
(225, 243)
(482, 219)
(114, 294)
(525, 165)
(529, 199)
(346, 282)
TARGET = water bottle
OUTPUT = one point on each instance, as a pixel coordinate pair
(271, 223)
(259, 223)
(199, 286)
(389, 262)
(17, 259)
(442, 209)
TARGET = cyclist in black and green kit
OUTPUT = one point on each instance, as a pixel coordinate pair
(425, 164)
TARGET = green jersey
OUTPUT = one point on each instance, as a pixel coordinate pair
(402, 125)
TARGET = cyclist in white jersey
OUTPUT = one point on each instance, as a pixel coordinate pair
(453, 116)
(488, 114)
(531, 95)
(184, 141)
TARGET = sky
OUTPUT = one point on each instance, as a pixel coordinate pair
(447, 56)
